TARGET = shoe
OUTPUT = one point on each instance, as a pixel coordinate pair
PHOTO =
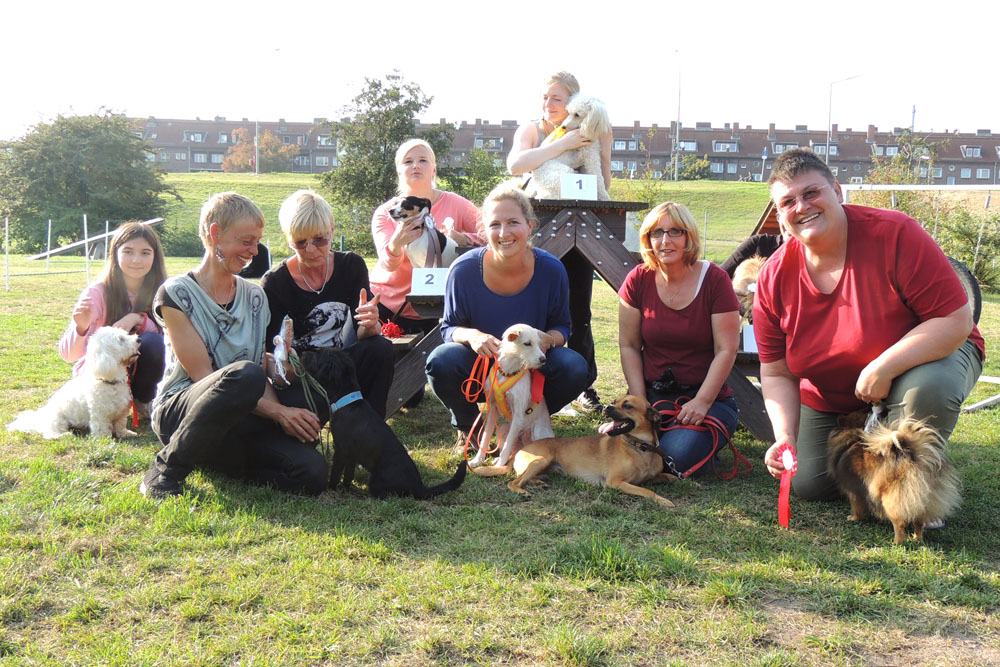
(588, 401)
(158, 485)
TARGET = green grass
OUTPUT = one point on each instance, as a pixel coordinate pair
(92, 573)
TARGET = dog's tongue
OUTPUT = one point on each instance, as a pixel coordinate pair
(606, 427)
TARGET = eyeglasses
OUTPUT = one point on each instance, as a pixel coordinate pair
(317, 241)
(807, 197)
(673, 232)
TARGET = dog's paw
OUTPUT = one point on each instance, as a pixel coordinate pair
(127, 433)
(853, 517)
(663, 501)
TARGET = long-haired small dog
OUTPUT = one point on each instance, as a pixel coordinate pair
(433, 248)
(589, 115)
(520, 353)
(898, 474)
(97, 399)
(745, 284)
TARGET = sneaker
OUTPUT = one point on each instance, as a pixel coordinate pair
(588, 401)
(158, 485)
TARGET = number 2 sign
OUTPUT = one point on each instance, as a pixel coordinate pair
(428, 281)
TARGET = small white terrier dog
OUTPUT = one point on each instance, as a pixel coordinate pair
(97, 399)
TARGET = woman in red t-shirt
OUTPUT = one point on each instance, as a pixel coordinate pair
(678, 329)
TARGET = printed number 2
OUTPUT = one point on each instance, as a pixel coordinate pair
(429, 279)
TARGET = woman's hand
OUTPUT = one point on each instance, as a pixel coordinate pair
(406, 233)
(129, 322)
(299, 423)
(772, 459)
(873, 383)
(271, 369)
(693, 412)
(484, 344)
(83, 314)
(571, 140)
(367, 313)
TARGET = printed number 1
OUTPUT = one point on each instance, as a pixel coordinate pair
(579, 185)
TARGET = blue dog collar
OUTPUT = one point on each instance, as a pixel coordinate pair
(345, 400)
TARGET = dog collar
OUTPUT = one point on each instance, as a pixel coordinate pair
(353, 397)
(112, 381)
(638, 444)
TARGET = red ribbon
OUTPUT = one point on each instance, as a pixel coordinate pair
(784, 509)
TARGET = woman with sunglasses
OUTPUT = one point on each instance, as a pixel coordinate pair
(678, 325)
(327, 296)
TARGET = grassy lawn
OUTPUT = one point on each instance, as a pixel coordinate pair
(91, 573)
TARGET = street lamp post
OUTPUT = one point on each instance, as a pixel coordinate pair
(829, 114)
(677, 129)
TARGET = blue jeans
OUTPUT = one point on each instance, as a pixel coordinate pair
(450, 364)
(689, 447)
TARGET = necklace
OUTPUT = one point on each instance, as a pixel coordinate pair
(302, 274)
(666, 284)
(230, 293)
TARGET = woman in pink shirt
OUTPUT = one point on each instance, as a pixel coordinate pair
(391, 275)
(122, 297)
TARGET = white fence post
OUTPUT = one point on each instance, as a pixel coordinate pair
(86, 247)
(105, 239)
(48, 245)
(6, 251)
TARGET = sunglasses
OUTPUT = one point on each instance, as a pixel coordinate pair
(673, 232)
(317, 241)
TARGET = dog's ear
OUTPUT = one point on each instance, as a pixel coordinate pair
(512, 336)
(654, 417)
(596, 122)
(102, 361)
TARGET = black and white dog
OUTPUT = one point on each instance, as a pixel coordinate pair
(361, 437)
(434, 248)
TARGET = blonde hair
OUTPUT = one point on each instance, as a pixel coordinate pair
(305, 213)
(566, 80)
(401, 152)
(682, 218)
(508, 192)
(224, 209)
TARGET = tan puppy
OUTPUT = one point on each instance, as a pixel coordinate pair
(622, 458)
(745, 284)
(520, 350)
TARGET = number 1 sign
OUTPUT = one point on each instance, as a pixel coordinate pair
(579, 186)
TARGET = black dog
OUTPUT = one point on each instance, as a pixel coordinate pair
(361, 437)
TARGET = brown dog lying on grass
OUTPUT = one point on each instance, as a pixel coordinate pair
(622, 458)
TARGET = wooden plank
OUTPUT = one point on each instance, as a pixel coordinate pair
(610, 259)
(409, 375)
(751, 403)
(558, 243)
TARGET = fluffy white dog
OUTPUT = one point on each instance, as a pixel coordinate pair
(589, 115)
(98, 398)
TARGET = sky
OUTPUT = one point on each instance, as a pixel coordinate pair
(748, 63)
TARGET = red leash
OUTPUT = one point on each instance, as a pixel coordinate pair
(790, 465)
(472, 386)
(669, 412)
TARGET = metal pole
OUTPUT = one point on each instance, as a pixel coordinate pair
(677, 131)
(48, 245)
(829, 114)
(704, 246)
(256, 147)
(6, 252)
(86, 248)
(105, 239)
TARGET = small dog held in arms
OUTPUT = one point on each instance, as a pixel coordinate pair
(589, 115)
(433, 248)
(621, 458)
(509, 395)
(361, 437)
(900, 474)
(97, 399)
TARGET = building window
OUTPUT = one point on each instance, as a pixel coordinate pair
(819, 149)
(223, 138)
(326, 140)
(972, 151)
(200, 157)
(982, 173)
(937, 172)
(631, 165)
(616, 165)
(164, 156)
(716, 167)
(322, 161)
(180, 156)
(834, 151)
(756, 163)
(731, 168)
(619, 145)
(891, 150)
(781, 148)
(835, 171)
(877, 150)
(479, 143)
(632, 145)
(687, 145)
(743, 165)
(857, 180)
(725, 147)
(657, 174)
(194, 137)
(966, 172)
(286, 140)
(217, 158)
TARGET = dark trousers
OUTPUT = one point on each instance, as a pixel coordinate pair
(374, 366)
(209, 425)
(581, 289)
(148, 370)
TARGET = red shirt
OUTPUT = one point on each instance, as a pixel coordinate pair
(679, 339)
(895, 277)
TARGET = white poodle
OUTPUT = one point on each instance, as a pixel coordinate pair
(98, 398)
(589, 115)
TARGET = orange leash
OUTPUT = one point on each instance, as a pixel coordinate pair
(472, 386)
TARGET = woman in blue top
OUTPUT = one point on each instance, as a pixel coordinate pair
(491, 288)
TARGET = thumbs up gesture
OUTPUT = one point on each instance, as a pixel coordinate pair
(367, 313)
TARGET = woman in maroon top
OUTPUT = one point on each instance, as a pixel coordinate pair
(678, 325)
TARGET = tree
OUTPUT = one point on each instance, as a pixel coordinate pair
(480, 174)
(379, 119)
(75, 165)
(694, 168)
(274, 156)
